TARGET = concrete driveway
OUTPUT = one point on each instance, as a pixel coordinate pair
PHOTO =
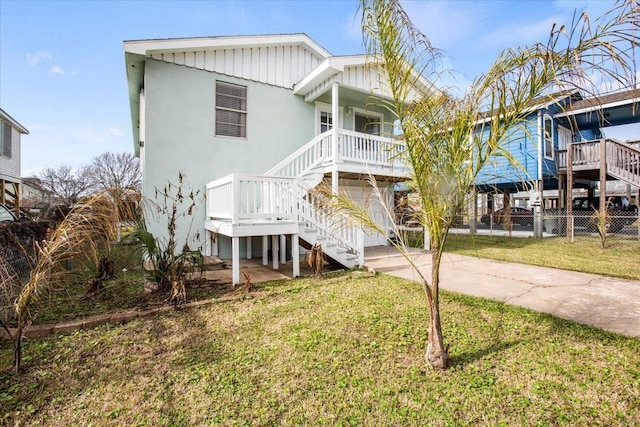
(608, 303)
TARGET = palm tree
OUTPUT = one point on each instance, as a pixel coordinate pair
(450, 138)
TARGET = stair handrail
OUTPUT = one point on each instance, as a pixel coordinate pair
(341, 230)
(623, 160)
(305, 158)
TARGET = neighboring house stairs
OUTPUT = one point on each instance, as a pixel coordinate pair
(619, 160)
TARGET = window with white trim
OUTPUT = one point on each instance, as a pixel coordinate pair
(548, 137)
(5, 143)
(231, 110)
(326, 121)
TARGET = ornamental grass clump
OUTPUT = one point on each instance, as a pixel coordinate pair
(83, 235)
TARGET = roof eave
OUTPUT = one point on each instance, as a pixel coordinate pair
(13, 122)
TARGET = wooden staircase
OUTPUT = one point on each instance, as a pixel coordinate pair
(619, 160)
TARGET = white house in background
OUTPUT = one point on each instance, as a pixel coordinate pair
(10, 133)
(257, 122)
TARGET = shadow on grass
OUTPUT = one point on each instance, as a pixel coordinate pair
(473, 356)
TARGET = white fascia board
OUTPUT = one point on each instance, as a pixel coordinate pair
(597, 106)
(145, 47)
(14, 123)
(317, 76)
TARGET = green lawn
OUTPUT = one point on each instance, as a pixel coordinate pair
(620, 259)
(340, 350)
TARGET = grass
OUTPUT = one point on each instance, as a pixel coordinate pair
(70, 302)
(619, 259)
(339, 350)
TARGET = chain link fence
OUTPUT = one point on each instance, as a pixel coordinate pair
(18, 255)
(618, 225)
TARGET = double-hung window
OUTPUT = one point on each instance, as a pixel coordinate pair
(548, 137)
(231, 110)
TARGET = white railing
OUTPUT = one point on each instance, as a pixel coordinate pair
(305, 158)
(368, 151)
(371, 150)
(238, 197)
(335, 226)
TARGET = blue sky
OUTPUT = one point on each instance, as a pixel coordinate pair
(62, 72)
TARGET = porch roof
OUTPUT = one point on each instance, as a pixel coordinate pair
(614, 109)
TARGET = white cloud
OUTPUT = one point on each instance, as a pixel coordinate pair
(116, 132)
(35, 58)
(57, 70)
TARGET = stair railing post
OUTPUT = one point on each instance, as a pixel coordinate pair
(235, 201)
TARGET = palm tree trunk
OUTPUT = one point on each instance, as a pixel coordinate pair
(437, 353)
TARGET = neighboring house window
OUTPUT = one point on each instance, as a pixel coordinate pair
(231, 110)
(326, 121)
(6, 139)
(548, 137)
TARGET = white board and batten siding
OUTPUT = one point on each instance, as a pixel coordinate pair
(278, 65)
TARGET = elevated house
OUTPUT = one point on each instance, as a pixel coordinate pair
(562, 146)
(10, 134)
(258, 122)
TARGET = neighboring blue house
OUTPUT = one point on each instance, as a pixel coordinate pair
(542, 144)
(259, 121)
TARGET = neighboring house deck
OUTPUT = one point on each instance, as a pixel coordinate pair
(10, 134)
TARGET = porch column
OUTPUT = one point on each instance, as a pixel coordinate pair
(249, 249)
(603, 176)
(569, 198)
(295, 254)
(283, 249)
(473, 220)
(235, 260)
(211, 243)
(335, 116)
(265, 250)
(274, 251)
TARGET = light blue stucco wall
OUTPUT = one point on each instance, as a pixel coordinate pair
(180, 117)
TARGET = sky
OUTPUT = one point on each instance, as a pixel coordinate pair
(62, 72)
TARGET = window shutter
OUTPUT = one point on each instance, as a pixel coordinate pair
(6, 139)
(231, 110)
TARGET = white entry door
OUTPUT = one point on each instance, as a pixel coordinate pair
(565, 137)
